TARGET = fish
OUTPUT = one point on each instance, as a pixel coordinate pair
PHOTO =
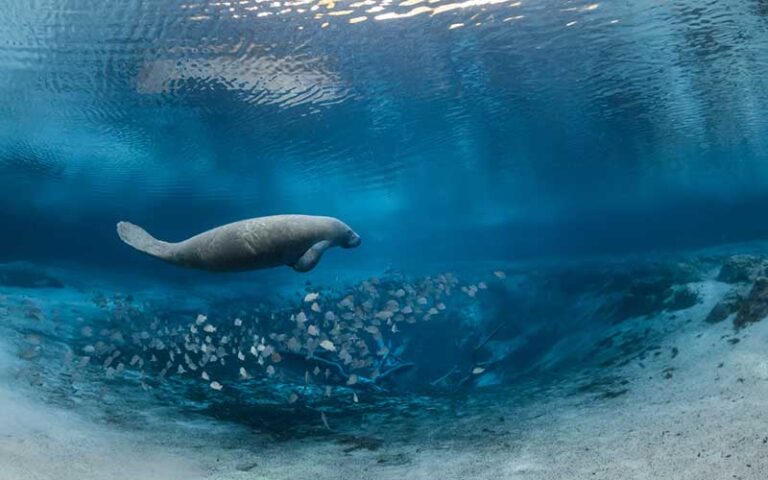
(293, 344)
(347, 302)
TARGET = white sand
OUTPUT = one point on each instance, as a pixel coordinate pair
(42, 442)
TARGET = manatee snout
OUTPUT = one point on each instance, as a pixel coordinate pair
(353, 240)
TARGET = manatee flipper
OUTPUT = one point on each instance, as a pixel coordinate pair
(142, 241)
(311, 257)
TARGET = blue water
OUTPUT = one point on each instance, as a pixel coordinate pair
(534, 129)
(568, 155)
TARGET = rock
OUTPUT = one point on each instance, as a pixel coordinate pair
(742, 269)
(724, 308)
(648, 290)
(651, 298)
(681, 299)
(719, 312)
(755, 307)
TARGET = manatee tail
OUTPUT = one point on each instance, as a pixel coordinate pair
(139, 239)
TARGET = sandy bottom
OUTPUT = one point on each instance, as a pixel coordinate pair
(700, 413)
(705, 422)
(38, 441)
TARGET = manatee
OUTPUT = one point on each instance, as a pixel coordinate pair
(297, 241)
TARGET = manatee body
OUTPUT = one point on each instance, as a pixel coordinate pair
(297, 241)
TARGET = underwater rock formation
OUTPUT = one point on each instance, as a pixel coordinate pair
(742, 268)
(755, 306)
(729, 305)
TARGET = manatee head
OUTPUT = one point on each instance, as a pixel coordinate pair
(345, 236)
